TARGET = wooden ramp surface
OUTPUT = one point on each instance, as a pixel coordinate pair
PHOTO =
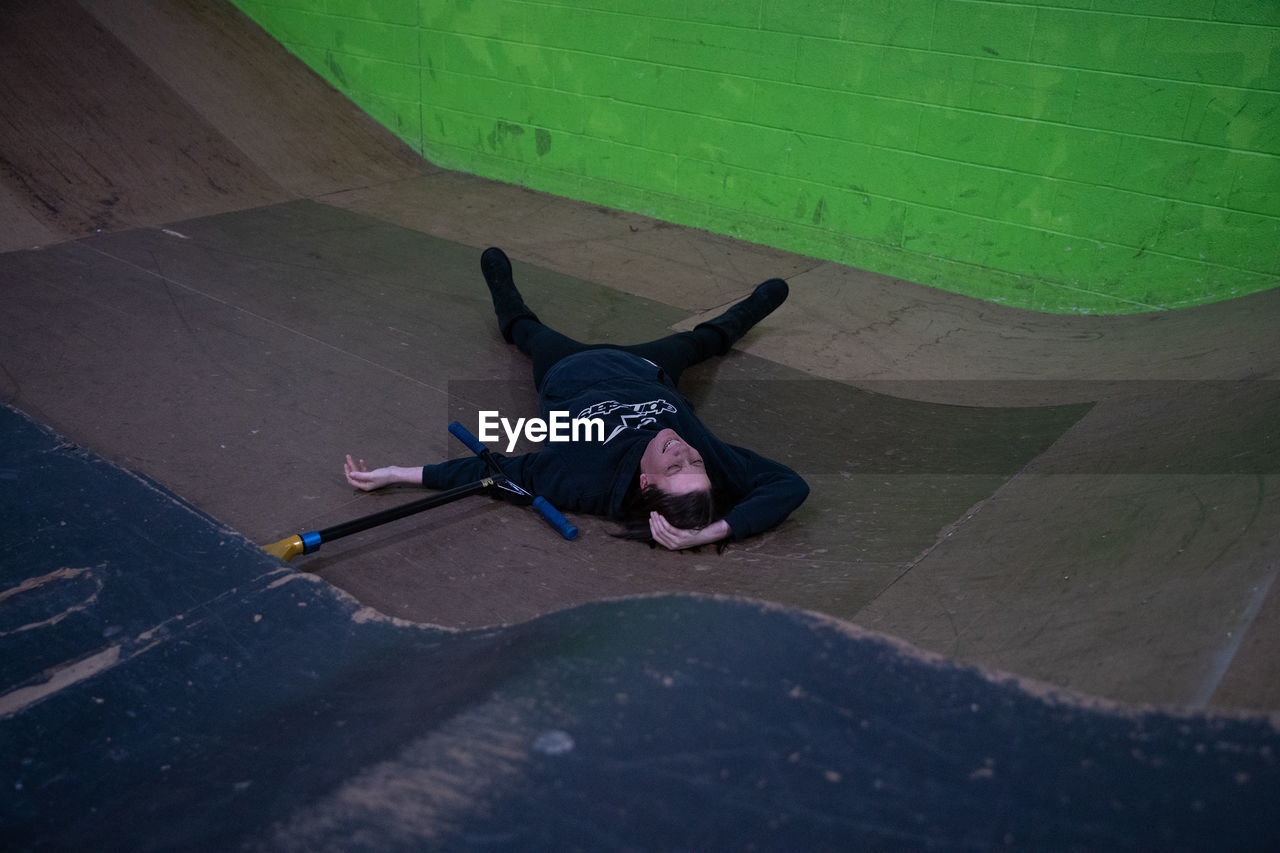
(223, 702)
(241, 278)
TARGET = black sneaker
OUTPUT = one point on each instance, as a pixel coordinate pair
(767, 296)
(507, 302)
(496, 268)
(739, 319)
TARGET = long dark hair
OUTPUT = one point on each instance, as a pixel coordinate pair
(689, 511)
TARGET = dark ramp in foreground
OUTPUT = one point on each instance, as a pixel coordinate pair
(166, 685)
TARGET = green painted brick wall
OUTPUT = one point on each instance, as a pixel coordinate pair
(1101, 156)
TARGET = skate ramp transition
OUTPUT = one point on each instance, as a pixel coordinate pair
(217, 700)
(184, 295)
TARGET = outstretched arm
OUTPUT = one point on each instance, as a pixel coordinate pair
(362, 478)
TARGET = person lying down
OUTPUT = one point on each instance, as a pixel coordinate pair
(645, 461)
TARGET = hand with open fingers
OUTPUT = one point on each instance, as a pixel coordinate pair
(677, 539)
(362, 478)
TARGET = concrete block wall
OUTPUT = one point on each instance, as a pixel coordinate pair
(1101, 156)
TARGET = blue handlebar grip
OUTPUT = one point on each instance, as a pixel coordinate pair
(464, 435)
(550, 513)
(555, 519)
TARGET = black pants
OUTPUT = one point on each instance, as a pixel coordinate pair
(545, 346)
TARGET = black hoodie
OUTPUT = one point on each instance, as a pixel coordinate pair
(635, 400)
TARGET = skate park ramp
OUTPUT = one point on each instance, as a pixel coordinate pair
(218, 278)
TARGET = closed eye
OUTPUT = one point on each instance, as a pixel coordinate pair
(675, 469)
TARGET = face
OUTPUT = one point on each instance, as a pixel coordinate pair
(672, 465)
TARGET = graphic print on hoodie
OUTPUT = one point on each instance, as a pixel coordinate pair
(620, 416)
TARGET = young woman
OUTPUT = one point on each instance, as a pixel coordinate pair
(658, 470)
